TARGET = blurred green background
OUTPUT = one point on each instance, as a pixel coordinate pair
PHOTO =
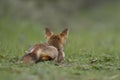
(93, 46)
(63, 13)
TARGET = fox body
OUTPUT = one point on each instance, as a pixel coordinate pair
(52, 50)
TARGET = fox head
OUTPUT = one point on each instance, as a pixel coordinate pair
(56, 40)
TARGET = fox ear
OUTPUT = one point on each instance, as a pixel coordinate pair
(64, 33)
(48, 33)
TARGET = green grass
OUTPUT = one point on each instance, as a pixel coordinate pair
(91, 54)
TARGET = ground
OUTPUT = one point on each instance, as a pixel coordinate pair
(91, 53)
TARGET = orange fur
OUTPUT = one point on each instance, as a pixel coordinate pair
(50, 51)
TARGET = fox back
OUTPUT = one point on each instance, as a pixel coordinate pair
(52, 50)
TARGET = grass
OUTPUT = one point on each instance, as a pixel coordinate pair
(91, 54)
(92, 51)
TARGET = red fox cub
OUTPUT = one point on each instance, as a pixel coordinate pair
(52, 50)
